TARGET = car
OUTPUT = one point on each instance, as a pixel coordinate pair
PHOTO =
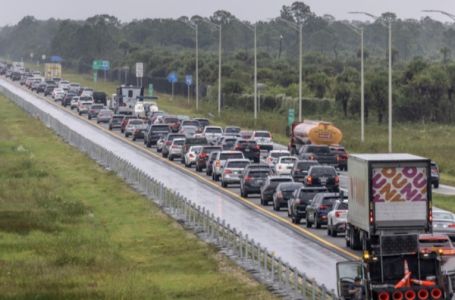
(341, 155)
(58, 94)
(320, 175)
(252, 180)
(337, 218)
(37, 85)
(256, 166)
(436, 243)
(167, 142)
(301, 198)
(245, 134)
(125, 122)
(104, 116)
(320, 206)
(232, 171)
(227, 142)
(160, 144)
(232, 131)
(175, 150)
(273, 156)
(49, 88)
(194, 141)
(190, 157)
(263, 138)
(321, 153)
(212, 133)
(283, 193)
(203, 156)
(220, 161)
(444, 222)
(249, 148)
(172, 121)
(94, 110)
(86, 92)
(210, 160)
(284, 165)
(125, 111)
(434, 175)
(139, 131)
(188, 130)
(115, 121)
(83, 106)
(192, 123)
(269, 187)
(64, 84)
(71, 100)
(300, 169)
(74, 88)
(154, 132)
(202, 123)
(132, 125)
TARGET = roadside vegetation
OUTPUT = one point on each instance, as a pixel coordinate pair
(72, 230)
(444, 202)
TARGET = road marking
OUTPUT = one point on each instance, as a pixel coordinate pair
(209, 182)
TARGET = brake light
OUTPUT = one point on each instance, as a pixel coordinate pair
(257, 147)
(248, 178)
(371, 217)
(323, 206)
(174, 146)
(338, 158)
(311, 157)
(227, 172)
(337, 180)
(309, 180)
(338, 213)
(203, 155)
(452, 225)
(430, 215)
(168, 142)
(237, 147)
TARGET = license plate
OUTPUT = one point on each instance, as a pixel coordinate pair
(247, 150)
(323, 180)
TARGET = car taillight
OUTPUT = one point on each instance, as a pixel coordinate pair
(237, 148)
(337, 214)
(323, 206)
(174, 146)
(191, 155)
(371, 217)
(309, 180)
(203, 155)
(247, 178)
(337, 180)
(312, 157)
(168, 143)
(338, 158)
(257, 147)
(227, 172)
(452, 225)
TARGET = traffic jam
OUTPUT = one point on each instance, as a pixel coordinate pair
(379, 206)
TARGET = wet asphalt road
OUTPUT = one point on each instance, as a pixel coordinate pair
(312, 252)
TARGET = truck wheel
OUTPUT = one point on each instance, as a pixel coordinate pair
(276, 207)
(334, 233)
(316, 222)
(436, 185)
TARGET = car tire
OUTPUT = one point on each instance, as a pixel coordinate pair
(264, 202)
(89, 117)
(110, 128)
(329, 233)
(316, 222)
(217, 177)
(334, 233)
(171, 158)
(159, 150)
(308, 223)
(134, 138)
(276, 207)
(197, 169)
(148, 145)
(224, 184)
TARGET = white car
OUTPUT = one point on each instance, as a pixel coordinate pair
(220, 160)
(212, 133)
(86, 92)
(232, 171)
(64, 84)
(264, 139)
(273, 156)
(337, 218)
(160, 144)
(191, 155)
(74, 102)
(83, 106)
(176, 149)
(58, 94)
(74, 88)
(284, 165)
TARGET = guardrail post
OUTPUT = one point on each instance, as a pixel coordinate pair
(272, 264)
(313, 289)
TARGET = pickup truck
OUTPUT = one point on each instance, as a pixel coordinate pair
(320, 153)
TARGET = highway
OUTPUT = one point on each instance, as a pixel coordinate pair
(306, 250)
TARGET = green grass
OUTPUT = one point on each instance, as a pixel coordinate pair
(71, 230)
(444, 202)
(430, 140)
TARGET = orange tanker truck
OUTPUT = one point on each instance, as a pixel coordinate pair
(313, 132)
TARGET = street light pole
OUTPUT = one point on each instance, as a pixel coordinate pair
(362, 90)
(255, 74)
(219, 73)
(197, 66)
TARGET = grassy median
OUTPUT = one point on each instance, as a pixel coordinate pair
(71, 230)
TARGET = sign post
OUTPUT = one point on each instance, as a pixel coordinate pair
(103, 65)
(189, 82)
(172, 78)
(291, 116)
(139, 73)
(150, 91)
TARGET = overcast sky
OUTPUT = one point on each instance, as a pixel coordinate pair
(12, 11)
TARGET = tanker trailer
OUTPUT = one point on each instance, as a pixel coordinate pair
(313, 132)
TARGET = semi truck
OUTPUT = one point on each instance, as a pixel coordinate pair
(313, 132)
(389, 207)
(126, 96)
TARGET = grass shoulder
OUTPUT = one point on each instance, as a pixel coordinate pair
(70, 230)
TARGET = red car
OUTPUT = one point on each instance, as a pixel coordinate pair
(125, 121)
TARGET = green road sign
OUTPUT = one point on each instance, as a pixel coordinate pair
(291, 116)
(103, 65)
(150, 91)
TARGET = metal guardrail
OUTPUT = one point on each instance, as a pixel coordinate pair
(285, 279)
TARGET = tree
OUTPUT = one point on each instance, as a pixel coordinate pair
(377, 92)
(318, 83)
(445, 55)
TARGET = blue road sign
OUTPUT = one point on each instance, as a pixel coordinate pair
(188, 80)
(172, 77)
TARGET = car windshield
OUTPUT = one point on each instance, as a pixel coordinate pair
(343, 206)
(329, 201)
(196, 149)
(196, 141)
(288, 160)
(203, 122)
(97, 106)
(136, 122)
(237, 164)
(307, 195)
(439, 215)
(318, 149)
(258, 174)
(85, 98)
(213, 130)
(190, 123)
(278, 180)
(229, 141)
(262, 134)
(226, 156)
(160, 128)
(232, 130)
(318, 172)
(179, 142)
(305, 165)
(279, 154)
(289, 187)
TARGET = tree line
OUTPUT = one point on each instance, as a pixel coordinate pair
(424, 75)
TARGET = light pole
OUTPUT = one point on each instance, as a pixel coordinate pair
(255, 87)
(219, 27)
(299, 29)
(389, 25)
(195, 27)
(440, 12)
(359, 31)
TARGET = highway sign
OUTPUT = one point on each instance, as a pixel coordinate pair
(172, 77)
(188, 80)
(103, 65)
(291, 116)
(139, 70)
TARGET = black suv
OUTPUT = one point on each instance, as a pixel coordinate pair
(283, 193)
(323, 176)
(269, 187)
(299, 201)
(154, 132)
(249, 148)
(300, 169)
(321, 153)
